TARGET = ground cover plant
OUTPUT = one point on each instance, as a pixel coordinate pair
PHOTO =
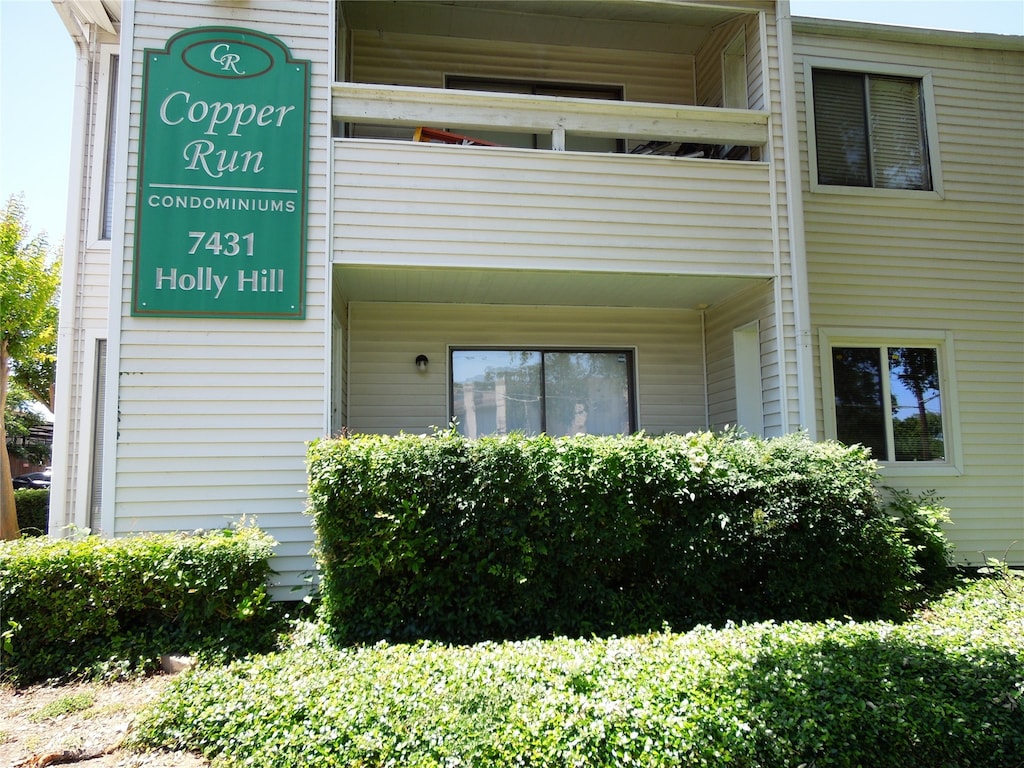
(944, 689)
(89, 606)
(444, 538)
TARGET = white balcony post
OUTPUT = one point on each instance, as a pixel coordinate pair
(558, 138)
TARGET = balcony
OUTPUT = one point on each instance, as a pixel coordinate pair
(516, 172)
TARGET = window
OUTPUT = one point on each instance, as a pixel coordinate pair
(870, 131)
(107, 213)
(558, 392)
(103, 154)
(99, 404)
(889, 399)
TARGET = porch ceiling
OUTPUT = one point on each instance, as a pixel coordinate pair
(693, 14)
(662, 25)
(534, 288)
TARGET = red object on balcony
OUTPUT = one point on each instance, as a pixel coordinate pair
(447, 137)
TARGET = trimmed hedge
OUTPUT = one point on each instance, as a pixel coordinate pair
(444, 538)
(33, 507)
(105, 607)
(944, 689)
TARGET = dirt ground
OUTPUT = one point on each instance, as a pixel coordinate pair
(32, 736)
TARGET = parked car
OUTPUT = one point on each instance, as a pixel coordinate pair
(33, 480)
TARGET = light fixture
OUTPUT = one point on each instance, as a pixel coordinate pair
(421, 362)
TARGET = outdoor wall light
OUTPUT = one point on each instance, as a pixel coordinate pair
(421, 363)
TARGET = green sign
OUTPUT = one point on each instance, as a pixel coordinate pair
(221, 212)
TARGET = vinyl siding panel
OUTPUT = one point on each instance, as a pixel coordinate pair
(420, 60)
(400, 203)
(387, 394)
(886, 263)
(720, 322)
(214, 414)
(709, 63)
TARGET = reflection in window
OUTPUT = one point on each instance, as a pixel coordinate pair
(870, 131)
(907, 379)
(533, 391)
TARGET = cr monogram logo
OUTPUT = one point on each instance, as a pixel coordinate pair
(227, 60)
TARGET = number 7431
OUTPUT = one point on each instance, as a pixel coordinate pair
(222, 243)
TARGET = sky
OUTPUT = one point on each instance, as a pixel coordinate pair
(37, 74)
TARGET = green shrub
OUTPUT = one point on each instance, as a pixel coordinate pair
(33, 506)
(445, 538)
(93, 606)
(942, 690)
(921, 519)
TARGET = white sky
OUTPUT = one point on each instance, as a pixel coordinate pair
(37, 72)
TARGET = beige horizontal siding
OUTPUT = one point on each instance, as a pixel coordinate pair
(419, 60)
(200, 435)
(720, 322)
(403, 203)
(387, 394)
(953, 265)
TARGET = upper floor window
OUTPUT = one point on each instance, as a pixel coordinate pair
(558, 392)
(870, 131)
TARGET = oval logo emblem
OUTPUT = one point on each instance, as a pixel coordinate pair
(227, 58)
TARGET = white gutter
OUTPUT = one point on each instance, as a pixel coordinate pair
(329, 343)
(807, 412)
(60, 515)
(859, 30)
(785, 418)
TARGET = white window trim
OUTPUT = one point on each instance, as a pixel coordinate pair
(873, 337)
(97, 157)
(930, 125)
(89, 421)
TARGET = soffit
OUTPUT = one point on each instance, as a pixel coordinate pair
(652, 25)
(534, 288)
(695, 14)
(105, 14)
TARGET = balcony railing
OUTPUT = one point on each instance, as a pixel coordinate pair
(401, 106)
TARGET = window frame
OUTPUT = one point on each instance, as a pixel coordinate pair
(942, 342)
(103, 162)
(931, 132)
(631, 372)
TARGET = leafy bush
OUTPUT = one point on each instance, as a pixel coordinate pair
(33, 506)
(461, 540)
(106, 606)
(943, 690)
(921, 519)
